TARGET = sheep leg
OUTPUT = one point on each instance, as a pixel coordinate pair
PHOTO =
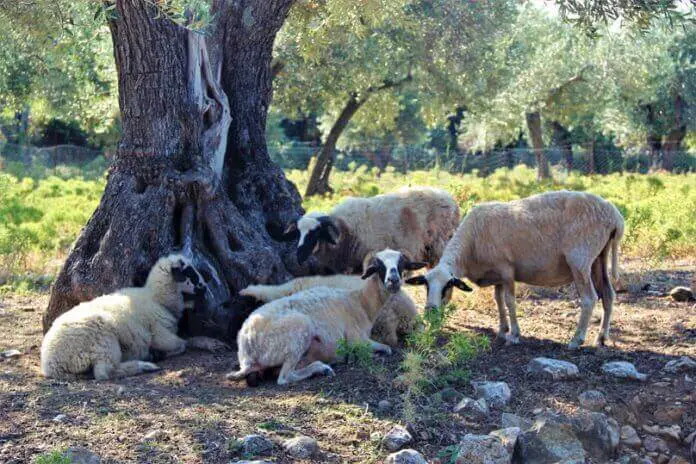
(378, 347)
(105, 370)
(317, 367)
(513, 337)
(169, 342)
(207, 344)
(603, 286)
(503, 327)
(588, 298)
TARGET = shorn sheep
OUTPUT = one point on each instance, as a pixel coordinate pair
(114, 334)
(418, 221)
(398, 317)
(301, 332)
(548, 240)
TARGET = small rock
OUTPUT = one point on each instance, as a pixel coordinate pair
(592, 400)
(384, 405)
(60, 418)
(690, 438)
(513, 420)
(677, 366)
(482, 449)
(630, 438)
(396, 438)
(537, 411)
(547, 441)
(678, 460)
(407, 456)
(254, 445)
(121, 391)
(623, 370)
(682, 294)
(669, 414)
(553, 369)
(155, 435)
(599, 433)
(450, 395)
(252, 462)
(508, 437)
(496, 394)
(301, 447)
(673, 431)
(473, 410)
(661, 384)
(652, 443)
(10, 354)
(78, 455)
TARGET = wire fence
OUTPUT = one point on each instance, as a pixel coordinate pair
(72, 161)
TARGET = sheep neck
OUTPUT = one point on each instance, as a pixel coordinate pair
(373, 297)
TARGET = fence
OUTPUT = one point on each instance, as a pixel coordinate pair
(70, 160)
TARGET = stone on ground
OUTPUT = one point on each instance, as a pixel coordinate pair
(496, 394)
(680, 365)
(508, 437)
(682, 294)
(482, 449)
(623, 370)
(79, 455)
(553, 369)
(652, 444)
(407, 456)
(301, 447)
(255, 445)
(549, 442)
(630, 438)
(592, 400)
(509, 420)
(473, 410)
(599, 433)
(396, 438)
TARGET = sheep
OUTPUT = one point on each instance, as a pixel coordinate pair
(301, 332)
(418, 221)
(398, 317)
(115, 335)
(550, 239)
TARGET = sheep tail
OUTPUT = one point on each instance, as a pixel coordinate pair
(615, 239)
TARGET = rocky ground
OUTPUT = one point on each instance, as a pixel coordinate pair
(512, 406)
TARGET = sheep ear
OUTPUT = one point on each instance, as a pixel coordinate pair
(291, 232)
(417, 280)
(460, 285)
(329, 229)
(369, 271)
(413, 265)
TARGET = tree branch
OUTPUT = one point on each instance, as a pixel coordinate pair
(553, 93)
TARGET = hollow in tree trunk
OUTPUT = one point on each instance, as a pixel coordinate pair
(191, 171)
(534, 127)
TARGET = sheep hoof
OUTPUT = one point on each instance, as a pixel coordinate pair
(574, 345)
(236, 375)
(512, 339)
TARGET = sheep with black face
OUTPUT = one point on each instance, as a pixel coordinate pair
(548, 240)
(418, 221)
(301, 332)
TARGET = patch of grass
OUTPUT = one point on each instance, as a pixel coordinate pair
(271, 425)
(359, 353)
(54, 457)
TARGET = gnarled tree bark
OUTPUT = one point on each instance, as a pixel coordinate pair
(534, 127)
(192, 170)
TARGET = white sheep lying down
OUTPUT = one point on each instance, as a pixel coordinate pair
(417, 221)
(114, 334)
(301, 332)
(398, 317)
(548, 240)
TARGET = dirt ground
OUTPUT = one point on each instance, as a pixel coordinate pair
(199, 415)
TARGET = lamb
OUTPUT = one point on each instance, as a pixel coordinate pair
(301, 332)
(418, 221)
(550, 239)
(398, 317)
(114, 335)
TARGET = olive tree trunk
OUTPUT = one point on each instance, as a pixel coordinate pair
(534, 127)
(192, 171)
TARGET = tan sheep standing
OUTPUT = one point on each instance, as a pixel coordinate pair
(548, 240)
(301, 332)
(113, 334)
(417, 221)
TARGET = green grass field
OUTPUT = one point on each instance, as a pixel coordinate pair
(40, 217)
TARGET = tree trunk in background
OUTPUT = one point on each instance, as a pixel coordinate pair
(192, 171)
(654, 139)
(590, 157)
(534, 127)
(319, 180)
(673, 139)
(561, 139)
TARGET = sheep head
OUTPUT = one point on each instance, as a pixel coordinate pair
(390, 265)
(313, 230)
(439, 282)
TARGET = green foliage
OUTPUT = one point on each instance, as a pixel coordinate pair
(54, 457)
(358, 352)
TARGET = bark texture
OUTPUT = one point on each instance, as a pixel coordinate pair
(561, 140)
(534, 127)
(192, 170)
